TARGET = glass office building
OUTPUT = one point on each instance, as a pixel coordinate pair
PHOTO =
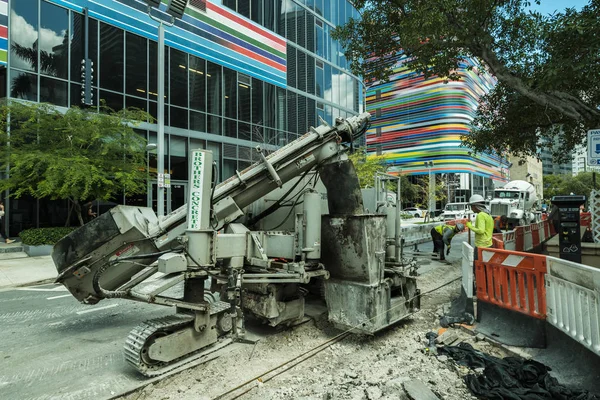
(238, 73)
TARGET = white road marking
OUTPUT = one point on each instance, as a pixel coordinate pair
(60, 288)
(58, 297)
(97, 309)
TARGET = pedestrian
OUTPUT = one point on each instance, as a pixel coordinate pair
(3, 236)
(500, 223)
(484, 224)
(442, 235)
(89, 211)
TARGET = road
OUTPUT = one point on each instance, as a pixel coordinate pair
(53, 347)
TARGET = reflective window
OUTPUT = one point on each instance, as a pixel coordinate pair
(197, 81)
(319, 82)
(111, 58)
(243, 8)
(213, 125)
(76, 95)
(178, 118)
(292, 112)
(231, 127)
(213, 88)
(53, 91)
(301, 71)
(198, 121)
(24, 35)
(290, 18)
(302, 128)
(244, 105)
(136, 102)
(327, 90)
(244, 131)
(310, 74)
(178, 150)
(270, 105)
(291, 66)
(54, 40)
(310, 113)
(301, 28)
(23, 86)
(281, 109)
(113, 101)
(178, 78)
(319, 7)
(319, 44)
(256, 11)
(136, 77)
(310, 32)
(257, 102)
(230, 82)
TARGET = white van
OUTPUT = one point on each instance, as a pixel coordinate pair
(454, 211)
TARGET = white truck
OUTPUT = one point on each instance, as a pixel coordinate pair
(454, 211)
(518, 201)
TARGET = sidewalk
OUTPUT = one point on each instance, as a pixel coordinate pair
(18, 269)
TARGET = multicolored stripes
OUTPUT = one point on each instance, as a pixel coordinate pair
(3, 32)
(217, 35)
(423, 120)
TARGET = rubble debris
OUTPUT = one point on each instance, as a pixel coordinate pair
(417, 390)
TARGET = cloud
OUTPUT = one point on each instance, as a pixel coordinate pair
(342, 90)
(25, 34)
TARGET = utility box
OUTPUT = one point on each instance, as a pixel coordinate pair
(569, 236)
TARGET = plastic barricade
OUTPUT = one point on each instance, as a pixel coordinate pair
(535, 235)
(573, 298)
(512, 280)
(585, 219)
(519, 239)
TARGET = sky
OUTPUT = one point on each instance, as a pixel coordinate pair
(550, 6)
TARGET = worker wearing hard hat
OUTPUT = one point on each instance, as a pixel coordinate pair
(484, 223)
(442, 235)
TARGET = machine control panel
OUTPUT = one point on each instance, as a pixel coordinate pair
(569, 236)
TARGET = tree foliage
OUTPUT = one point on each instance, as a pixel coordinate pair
(563, 185)
(368, 166)
(547, 66)
(76, 156)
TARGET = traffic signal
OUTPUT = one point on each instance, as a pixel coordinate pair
(87, 77)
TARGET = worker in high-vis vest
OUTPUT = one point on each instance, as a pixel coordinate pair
(484, 223)
(442, 235)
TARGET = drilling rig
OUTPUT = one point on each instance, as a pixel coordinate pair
(248, 246)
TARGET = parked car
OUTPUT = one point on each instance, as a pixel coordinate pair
(415, 211)
(454, 211)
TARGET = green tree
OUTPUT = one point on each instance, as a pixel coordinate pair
(547, 66)
(563, 185)
(368, 166)
(76, 156)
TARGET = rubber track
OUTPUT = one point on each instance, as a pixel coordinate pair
(140, 334)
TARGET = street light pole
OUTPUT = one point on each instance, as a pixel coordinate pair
(429, 165)
(176, 9)
(149, 148)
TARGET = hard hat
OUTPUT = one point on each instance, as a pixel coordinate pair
(477, 199)
(460, 227)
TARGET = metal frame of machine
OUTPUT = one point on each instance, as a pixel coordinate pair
(208, 260)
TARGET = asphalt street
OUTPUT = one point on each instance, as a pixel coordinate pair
(53, 347)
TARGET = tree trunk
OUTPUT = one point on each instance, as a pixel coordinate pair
(70, 210)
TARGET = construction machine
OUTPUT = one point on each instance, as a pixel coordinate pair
(247, 246)
(518, 201)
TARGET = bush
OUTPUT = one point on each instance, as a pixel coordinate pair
(42, 236)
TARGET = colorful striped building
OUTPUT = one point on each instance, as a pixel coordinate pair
(418, 121)
(238, 73)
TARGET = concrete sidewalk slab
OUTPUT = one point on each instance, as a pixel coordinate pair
(19, 270)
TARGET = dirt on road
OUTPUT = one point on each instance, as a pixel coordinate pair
(356, 367)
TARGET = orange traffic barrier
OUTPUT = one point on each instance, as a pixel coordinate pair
(512, 280)
(519, 238)
(497, 242)
(585, 219)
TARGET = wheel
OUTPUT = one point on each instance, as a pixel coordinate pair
(417, 215)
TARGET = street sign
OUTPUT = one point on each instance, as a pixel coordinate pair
(593, 144)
